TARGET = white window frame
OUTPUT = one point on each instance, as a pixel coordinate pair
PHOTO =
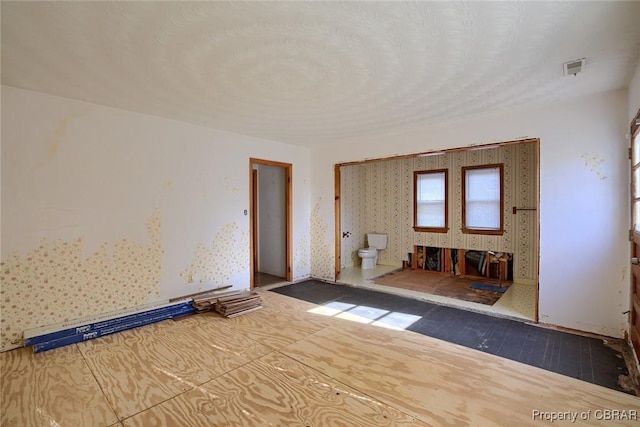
(444, 203)
(499, 230)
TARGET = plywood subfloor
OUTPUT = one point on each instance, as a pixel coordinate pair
(283, 365)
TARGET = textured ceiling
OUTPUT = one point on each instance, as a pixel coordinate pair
(315, 72)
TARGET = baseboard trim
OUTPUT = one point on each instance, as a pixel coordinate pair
(523, 281)
(390, 264)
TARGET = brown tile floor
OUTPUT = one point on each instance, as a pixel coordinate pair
(283, 365)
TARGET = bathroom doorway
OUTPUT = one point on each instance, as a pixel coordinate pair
(270, 223)
(377, 195)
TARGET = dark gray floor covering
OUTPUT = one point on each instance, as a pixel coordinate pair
(586, 358)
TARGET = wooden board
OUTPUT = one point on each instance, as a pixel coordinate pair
(142, 367)
(49, 389)
(273, 390)
(440, 284)
(444, 384)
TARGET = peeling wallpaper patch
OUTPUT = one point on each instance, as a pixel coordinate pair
(592, 161)
(54, 142)
(226, 256)
(321, 252)
(300, 257)
(54, 283)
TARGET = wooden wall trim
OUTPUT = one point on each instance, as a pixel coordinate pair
(635, 124)
(338, 225)
(288, 182)
(447, 150)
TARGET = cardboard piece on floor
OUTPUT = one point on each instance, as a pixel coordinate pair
(88, 325)
(140, 320)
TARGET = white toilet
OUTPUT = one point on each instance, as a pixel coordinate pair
(370, 255)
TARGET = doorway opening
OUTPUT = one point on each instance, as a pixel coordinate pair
(377, 196)
(270, 223)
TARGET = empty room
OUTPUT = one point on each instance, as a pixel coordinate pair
(320, 213)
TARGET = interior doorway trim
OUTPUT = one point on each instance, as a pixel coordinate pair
(253, 192)
(338, 216)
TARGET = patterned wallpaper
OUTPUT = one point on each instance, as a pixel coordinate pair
(388, 203)
(353, 216)
(221, 259)
(322, 265)
(57, 283)
(301, 258)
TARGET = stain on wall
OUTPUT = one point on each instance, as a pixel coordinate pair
(218, 261)
(55, 283)
(321, 252)
(593, 161)
(228, 187)
(59, 132)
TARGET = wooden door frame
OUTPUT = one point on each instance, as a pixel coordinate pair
(634, 237)
(338, 225)
(254, 219)
(253, 193)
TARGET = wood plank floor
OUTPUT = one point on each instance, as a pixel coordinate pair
(285, 365)
(441, 284)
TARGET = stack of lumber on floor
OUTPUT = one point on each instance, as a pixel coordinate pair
(207, 301)
(229, 304)
(236, 305)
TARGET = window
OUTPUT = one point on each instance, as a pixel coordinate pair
(482, 203)
(430, 201)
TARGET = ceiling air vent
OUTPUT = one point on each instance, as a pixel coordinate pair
(574, 67)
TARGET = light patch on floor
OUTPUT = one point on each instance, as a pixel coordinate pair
(366, 315)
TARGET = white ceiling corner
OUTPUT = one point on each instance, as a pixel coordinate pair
(310, 73)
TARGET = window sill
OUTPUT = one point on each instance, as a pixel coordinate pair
(486, 232)
(430, 230)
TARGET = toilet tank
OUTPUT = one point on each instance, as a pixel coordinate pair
(378, 241)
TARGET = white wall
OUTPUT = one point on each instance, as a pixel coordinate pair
(271, 222)
(105, 209)
(583, 276)
(634, 94)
